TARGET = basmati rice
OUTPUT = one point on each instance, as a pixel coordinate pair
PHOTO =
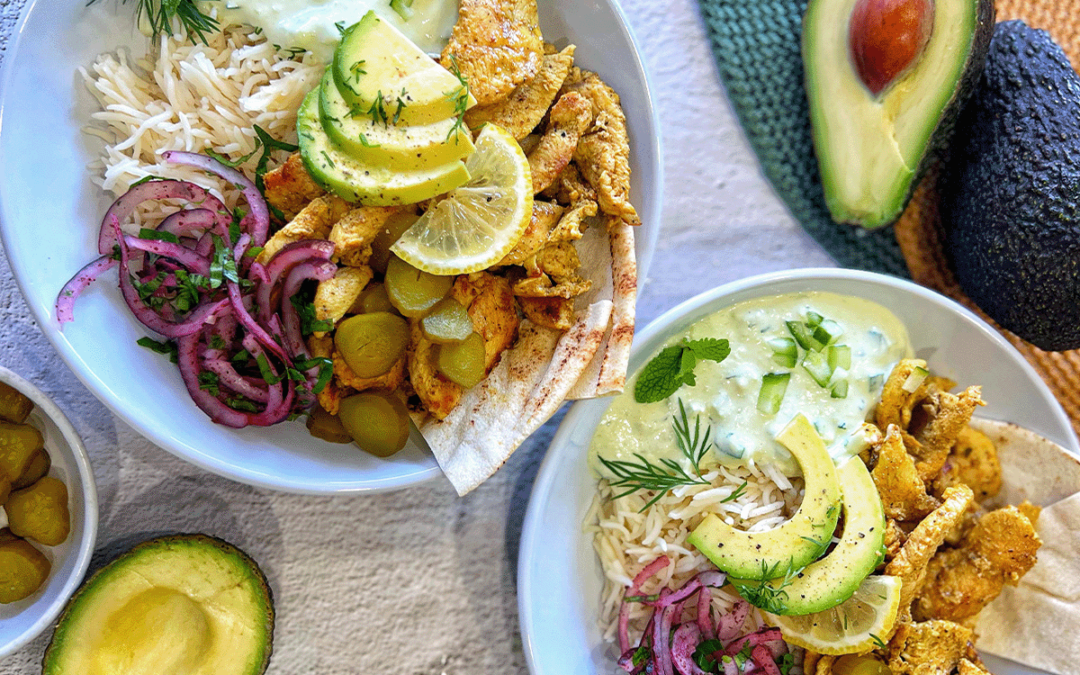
(193, 97)
(626, 540)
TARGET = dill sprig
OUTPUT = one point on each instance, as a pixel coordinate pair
(460, 98)
(763, 594)
(377, 111)
(162, 16)
(645, 475)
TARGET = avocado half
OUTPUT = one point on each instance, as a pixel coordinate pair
(885, 81)
(187, 603)
(1010, 194)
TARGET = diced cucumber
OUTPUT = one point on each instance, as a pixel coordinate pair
(773, 388)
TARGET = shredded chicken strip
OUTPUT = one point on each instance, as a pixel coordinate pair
(910, 563)
(570, 117)
(526, 106)
(497, 45)
(315, 221)
(289, 188)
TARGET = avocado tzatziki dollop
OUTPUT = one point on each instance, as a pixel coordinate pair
(866, 341)
(314, 24)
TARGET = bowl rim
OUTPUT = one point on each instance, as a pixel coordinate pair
(90, 507)
(121, 408)
(545, 477)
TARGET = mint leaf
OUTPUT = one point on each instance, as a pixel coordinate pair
(686, 367)
(660, 377)
(709, 349)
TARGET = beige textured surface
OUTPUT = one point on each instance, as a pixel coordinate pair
(421, 582)
(919, 229)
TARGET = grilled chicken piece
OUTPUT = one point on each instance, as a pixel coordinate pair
(570, 187)
(973, 461)
(289, 188)
(572, 225)
(556, 312)
(936, 425)
(493, 310)
(526, 106)
(998, 550)
(545, 216)
(353, 234)
(390, 380)
(896, 403)
(928, 648)
(570, 117)
(895, 537)
(910, 563)
(966, 667)
(903, 493)
(438, 393)
(603, 153)
(552, 272)
(315, 221)
(497, 46)
(335, 296)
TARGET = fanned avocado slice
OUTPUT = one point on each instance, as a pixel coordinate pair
(357, 181)
(187, 603)
(835, 578)
(883, 100)
(799, 540)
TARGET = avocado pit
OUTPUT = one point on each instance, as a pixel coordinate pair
(887, 37)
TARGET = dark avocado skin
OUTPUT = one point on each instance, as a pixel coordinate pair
(1010, 194)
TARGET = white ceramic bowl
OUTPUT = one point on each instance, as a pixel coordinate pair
(22, 621)
(50, 213)
(559, 577)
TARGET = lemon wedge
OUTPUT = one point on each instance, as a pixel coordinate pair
(855, 626)
(474, 226)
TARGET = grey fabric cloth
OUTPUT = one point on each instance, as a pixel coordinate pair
(421, 581)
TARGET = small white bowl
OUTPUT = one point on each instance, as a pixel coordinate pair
(559, 577)
(22, 621)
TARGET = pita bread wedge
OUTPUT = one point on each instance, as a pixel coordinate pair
(1038, 621)
(545, 367)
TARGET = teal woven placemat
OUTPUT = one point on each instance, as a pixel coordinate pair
(757, 48)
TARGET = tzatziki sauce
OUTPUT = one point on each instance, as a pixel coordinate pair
(725, 394)
(315, 25)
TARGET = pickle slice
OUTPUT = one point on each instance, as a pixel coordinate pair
(372, 343)
(377, 421)
(39, 466)
(14, 406)
(448, 321)
(412, 291)
(372, 299)
(463, 362)
(388, 234)
(322, 424)
(23, 569)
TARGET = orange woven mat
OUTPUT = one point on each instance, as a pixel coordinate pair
(919, 229)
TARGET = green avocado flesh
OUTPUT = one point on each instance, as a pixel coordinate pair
(797, 542)
(395, 146)
(871, 149)
(1010, 194)
(375, 59)
(180, 605)
(357, 181)
(834, 578)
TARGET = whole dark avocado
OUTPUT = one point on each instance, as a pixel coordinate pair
(1010, 194)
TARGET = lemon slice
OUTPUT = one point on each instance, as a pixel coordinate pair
(477, 224)
(857, 625)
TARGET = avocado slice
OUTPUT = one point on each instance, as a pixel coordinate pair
(395, 145)
(835, 578)
(883, 100)
(1010, 194)
(799, 540)
(357, 181)
(376, 61)
(181, 604)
